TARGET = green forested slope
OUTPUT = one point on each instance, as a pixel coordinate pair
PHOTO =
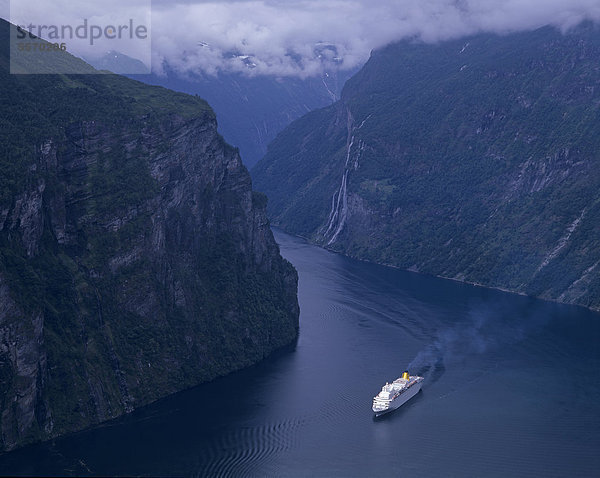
(476, 159)
(135, 260)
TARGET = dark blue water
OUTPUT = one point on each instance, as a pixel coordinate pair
(512, 389)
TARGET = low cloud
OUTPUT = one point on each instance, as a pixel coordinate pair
(303, 37)
(298, 37)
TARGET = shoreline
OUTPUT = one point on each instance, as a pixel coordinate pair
(595, 310)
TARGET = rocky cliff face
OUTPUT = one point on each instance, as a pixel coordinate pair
(475, 160)
(135, 259)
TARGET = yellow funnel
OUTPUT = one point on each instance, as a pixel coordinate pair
(406, 376)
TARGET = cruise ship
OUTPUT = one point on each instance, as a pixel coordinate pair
(397, 393)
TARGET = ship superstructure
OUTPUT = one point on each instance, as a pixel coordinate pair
(395, 394)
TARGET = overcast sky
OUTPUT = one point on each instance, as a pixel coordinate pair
(280, 36)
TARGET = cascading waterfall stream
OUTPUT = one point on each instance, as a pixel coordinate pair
(339, 202)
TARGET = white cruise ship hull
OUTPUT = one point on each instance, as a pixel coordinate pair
(401, 400)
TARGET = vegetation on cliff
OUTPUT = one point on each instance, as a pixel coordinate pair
(474, 159)
(135, 260)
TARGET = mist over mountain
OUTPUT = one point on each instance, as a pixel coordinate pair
(474, 159)
(280, 35)
(263, 63)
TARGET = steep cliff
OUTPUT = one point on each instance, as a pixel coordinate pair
(476, 160)
(135, 259)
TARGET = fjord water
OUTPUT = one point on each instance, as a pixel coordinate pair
(512, 387)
